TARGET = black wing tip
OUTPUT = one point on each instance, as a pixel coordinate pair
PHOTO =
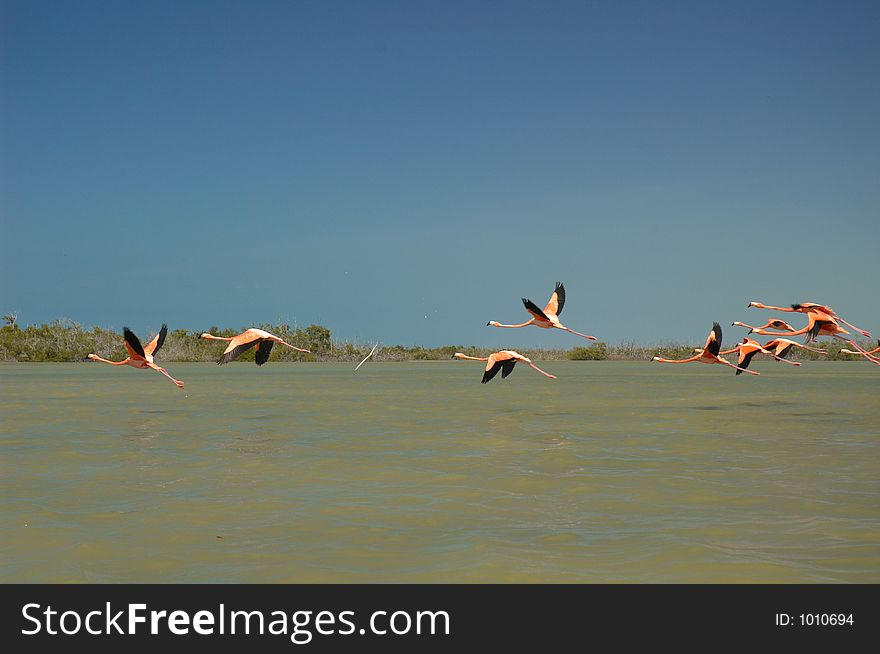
(489, 374)
(533, 308)
(507, 367)
(714, 346)
(132, 339)
(797, 306)
(747, 360)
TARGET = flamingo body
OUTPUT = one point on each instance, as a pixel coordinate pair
(710, 353)
(502, 361)
(253, 337)
(548, 318)
(140, 356)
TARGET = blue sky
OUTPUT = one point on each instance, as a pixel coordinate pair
(407, 171)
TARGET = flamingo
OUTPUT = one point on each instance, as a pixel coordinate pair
(863, 353)
(546, 319)
(748, 349)
(782, 347)
(820, 323)
(775, 324)
(245, 341)
(504, 361)
(140, 356)
(807, 307)
(709, 354)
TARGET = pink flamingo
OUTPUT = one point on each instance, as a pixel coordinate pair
(709, 354)
(504, 361)
(249, 338)
(140, 356)
(546, 319)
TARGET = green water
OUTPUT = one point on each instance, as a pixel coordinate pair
(415, 472)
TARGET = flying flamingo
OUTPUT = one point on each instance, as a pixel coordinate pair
(748, 349)
(807, 307)
(504, 361)
(549, 317)
(140, 356)
(709, 354)
(820, 323)
(864, 353)
(245, 341)
(775, 324)
(782, 347)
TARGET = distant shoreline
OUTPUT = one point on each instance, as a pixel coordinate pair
(65, 341)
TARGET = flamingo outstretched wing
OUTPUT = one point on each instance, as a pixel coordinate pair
(494, 363)
(132, 343)
(780, 324)
(557, 300)
(154, 345)
(812, 305)
(713, 341)
(745, 358)
(533, 309)
(264, 348)
(241, 343)
(507, 367)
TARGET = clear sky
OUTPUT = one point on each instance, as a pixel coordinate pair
(407, 171)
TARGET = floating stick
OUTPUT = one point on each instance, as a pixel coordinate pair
(368, 356)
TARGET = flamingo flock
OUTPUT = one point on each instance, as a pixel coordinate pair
(821, 321)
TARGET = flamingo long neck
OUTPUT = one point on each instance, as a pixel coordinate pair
(688, 360)
(524, 324)
(217, 338)
(465, 356)
(112, 363)
(758, 305)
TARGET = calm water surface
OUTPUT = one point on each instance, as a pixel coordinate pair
(415, 472)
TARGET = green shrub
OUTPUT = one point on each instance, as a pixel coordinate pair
(597, 352)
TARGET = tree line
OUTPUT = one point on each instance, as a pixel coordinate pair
(65, 340)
